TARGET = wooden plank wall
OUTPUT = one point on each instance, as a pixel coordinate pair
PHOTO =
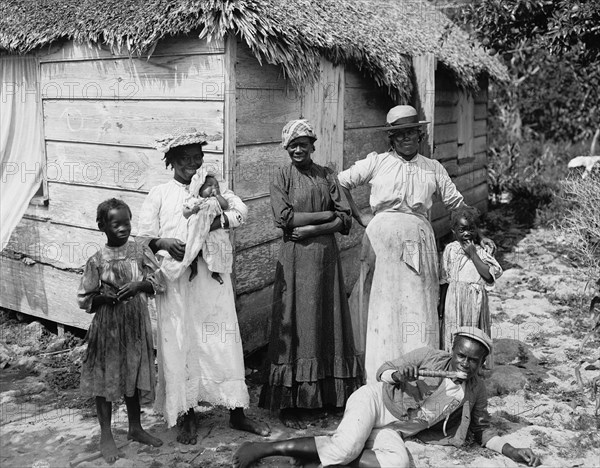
(365, 107)
(264, 103)
(102, 111)
(469, 172)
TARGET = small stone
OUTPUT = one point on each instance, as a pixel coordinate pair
(57, 345)
(122, 463)
(31, 334)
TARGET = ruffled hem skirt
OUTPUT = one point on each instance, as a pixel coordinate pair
(312, 359)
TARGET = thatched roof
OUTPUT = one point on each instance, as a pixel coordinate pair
(377, 36)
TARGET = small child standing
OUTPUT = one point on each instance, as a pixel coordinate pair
(469, 272)
(204, 204)
(120, 353)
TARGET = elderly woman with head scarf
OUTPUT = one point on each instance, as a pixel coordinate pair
(396, 296)
(312, 361)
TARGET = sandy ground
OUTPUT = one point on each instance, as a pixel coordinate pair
(541, 301)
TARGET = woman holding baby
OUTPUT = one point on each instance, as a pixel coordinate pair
(199, 347)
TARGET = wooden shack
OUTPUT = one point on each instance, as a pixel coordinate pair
(111, 76)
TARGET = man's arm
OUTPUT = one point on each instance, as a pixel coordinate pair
(480, 425)
(406, 366)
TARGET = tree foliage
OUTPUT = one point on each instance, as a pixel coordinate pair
(552, 50)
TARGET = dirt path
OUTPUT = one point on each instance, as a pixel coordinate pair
(540, 301)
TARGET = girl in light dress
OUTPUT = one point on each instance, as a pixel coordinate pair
(468, 272)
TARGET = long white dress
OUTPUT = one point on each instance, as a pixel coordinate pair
(200, 355)
(394, 303)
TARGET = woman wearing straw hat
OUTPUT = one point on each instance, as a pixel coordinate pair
(200, 354)
(394, 303)
(312, 361)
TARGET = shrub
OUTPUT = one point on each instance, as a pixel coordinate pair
(583, 219)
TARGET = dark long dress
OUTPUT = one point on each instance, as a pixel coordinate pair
(312, 359)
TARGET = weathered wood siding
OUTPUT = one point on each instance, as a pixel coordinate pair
(465, 160)
(264, 103)
(102, 112)
(365, 107)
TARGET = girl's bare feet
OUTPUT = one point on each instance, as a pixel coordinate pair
(140, 435)
(187, 429)
(289, 418)
(238, 420)
(108, 448)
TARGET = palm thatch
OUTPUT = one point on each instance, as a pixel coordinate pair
(376, 36)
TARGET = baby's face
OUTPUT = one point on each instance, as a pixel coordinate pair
(209, 185)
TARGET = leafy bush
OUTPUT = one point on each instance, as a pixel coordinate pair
(583, 218)
(525, 167)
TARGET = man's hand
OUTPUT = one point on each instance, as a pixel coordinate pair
(522, 455)
(408, 373)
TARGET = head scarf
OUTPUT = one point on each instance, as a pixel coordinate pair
(296, 129)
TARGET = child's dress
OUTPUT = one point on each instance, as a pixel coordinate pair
(120, 353)
(466, 299)
(216, 247)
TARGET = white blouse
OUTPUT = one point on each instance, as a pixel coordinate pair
(400, 185)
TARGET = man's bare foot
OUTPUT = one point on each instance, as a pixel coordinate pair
(248, 453)
(238, 420)
(289, 418)
(108, 448)
(140, 435)
(187, 429)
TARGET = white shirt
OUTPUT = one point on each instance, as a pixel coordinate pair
(400, 185)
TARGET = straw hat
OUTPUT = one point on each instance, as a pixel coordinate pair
(402, 117)
(180, 137)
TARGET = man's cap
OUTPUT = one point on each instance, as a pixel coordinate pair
(475, 334)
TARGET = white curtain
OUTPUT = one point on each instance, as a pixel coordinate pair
(21, 140)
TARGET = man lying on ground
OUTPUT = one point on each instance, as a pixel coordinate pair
(379, 415)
